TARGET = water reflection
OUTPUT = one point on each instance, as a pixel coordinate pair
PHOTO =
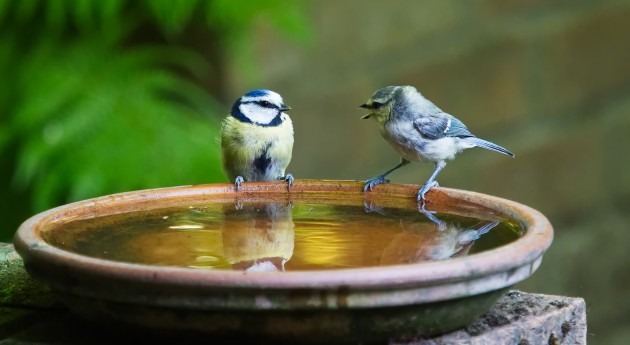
(430, 241)
(279, 236)
(258, 237)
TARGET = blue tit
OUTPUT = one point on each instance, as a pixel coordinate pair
(257, 139)
(419, 131)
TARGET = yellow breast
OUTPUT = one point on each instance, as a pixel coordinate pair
(248, 148)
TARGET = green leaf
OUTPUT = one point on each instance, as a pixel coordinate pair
(83, 14)
(112, 21)
(4, 9)
(102, 110)
(56, 15)
(5, 137)
(172, 15)
(25, 9)
(119, 117)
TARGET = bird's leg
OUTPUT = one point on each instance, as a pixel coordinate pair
(289, 179)
(429, 214)
(369, 207)
(237, 182)
(369, 184)
(431, 181)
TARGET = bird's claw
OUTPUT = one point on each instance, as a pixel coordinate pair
(371, 207)
(289, 179)
(425, 188)
(369, 184)
(238, 181)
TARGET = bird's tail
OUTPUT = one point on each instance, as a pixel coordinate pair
(484, 229)
(490, 146)
(472, 235)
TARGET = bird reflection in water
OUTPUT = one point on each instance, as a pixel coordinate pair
(430, 241)
(258, 237)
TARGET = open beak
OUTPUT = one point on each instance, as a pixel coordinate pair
(284, 107)
(365, 106)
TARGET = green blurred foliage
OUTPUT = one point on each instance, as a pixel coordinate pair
(99, 97)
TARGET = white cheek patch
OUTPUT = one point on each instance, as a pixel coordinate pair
(258, 114)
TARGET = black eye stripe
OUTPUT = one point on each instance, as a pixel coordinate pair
(264, 104)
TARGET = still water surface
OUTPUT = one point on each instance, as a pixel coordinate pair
(282, 237)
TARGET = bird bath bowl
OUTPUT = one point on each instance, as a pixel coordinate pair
(322, 263)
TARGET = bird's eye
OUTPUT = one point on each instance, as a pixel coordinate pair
(376, 105)
(265, 104)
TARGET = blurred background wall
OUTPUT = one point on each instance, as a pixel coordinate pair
(549, 80)
(101, 99)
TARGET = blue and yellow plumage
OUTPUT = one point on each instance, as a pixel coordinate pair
(257, 139)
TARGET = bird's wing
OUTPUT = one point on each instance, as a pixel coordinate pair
(440, 126)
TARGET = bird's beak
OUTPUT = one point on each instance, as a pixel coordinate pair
(365, 106)
(284, 107)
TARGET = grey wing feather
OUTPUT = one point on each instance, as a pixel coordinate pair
(440, 126)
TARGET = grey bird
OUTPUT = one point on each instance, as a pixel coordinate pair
(419, 131)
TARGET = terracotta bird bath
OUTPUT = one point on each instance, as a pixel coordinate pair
(248, 264)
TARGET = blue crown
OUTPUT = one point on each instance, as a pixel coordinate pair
(257, 93)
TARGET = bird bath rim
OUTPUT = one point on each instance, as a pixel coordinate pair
(422, 282)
